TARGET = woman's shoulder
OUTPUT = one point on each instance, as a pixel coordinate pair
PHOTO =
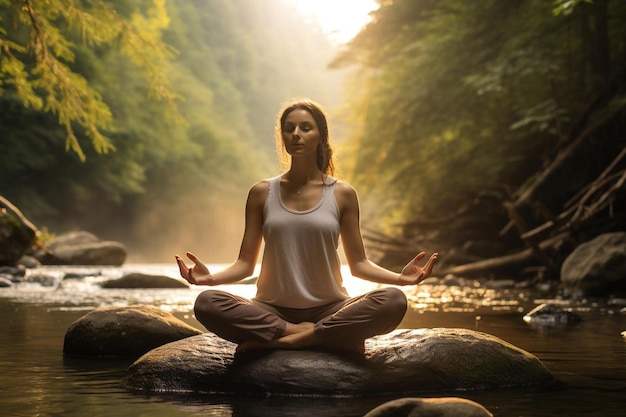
(343, 187)
(262, 185)
(258, 192)
(346, 195)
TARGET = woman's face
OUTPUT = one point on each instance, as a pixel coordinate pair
(300, 133)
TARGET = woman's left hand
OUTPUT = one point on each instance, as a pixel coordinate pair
(413, 274)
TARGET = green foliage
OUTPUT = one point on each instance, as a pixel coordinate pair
(38, 62)
(456, 97)
(232, 73)
(566, 7)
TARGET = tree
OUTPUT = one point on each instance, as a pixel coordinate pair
(38, 51)
(237, 61)
(460, 100)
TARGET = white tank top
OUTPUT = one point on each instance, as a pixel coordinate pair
(300, 266)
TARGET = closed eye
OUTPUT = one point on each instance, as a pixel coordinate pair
(289, 128)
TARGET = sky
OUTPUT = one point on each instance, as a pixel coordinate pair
(341, 20)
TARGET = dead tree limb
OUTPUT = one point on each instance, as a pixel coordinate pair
(519, 222)
(557, 161)
(603, 200)
(503, 262)
(577, 209)
(604, 173)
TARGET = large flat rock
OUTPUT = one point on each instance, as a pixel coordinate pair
(403, 361)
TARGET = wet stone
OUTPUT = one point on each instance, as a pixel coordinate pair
(405, 360)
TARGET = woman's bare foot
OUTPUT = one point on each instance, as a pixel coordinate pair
(293, 328)
(305, 337)
(251, 345)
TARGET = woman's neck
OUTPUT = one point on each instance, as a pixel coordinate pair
(300, 179)
(302, 173)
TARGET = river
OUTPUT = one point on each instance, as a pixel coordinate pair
(587, 358)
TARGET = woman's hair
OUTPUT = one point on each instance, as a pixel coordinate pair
(324, 150)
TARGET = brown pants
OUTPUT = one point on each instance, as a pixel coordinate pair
(343, 324)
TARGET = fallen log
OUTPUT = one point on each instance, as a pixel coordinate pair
(501, 263)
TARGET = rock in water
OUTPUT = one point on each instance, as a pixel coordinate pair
(402, 361)
(138, 280)
(550, 316)
(82, 248)
(124, 332)
(598, 267)
(17, 233)
(430, 407)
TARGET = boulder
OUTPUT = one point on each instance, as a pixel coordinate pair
(82, 248)
(10, 275)
(430, 407)
(17, 233)
(124, 332)
(43, 279)
(28, 261)
(401, 361)
(19, 272)
(81, 274)
(598, 267)
(80, 237)
(546, 316)
(137, 280)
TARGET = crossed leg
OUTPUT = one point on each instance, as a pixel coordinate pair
(303, 335)
(342, 325)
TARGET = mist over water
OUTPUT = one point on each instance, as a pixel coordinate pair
(209, 225)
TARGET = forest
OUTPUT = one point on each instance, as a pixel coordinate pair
(490, 131)
(171, 171)
(503, 129)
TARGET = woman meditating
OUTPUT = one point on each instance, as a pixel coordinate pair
(301, 214)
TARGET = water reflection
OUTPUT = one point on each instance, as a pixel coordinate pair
(588, 358)
(79, 289)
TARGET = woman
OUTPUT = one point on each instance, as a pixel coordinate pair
(301, 214)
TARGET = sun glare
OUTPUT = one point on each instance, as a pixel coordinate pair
(341, 20)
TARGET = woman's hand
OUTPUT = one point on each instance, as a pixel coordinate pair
(413, 274)
(198, 274)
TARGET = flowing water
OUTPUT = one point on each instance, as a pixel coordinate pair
(588, 358)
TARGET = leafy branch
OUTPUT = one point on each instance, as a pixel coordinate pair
(50, 84)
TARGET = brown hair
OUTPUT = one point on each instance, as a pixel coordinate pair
(324, 150)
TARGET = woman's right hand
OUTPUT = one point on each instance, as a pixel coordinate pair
(198, 274)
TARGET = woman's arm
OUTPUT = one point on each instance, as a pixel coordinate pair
(243, 267)
(360, 265)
